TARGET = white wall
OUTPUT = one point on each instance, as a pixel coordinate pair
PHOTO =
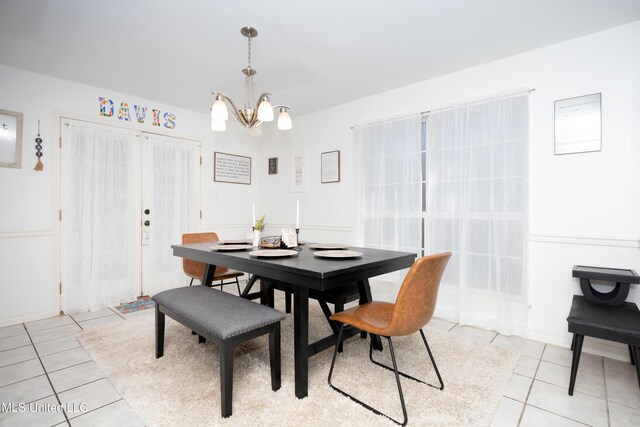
(29, 266)
(583, 207)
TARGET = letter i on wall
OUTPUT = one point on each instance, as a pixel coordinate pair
(106, 107)
(156, 117)
(123, 112)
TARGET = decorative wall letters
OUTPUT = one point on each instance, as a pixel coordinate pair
(107, 109)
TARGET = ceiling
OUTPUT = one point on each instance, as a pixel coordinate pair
(309, 54)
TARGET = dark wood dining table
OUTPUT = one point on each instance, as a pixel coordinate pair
(303, 272)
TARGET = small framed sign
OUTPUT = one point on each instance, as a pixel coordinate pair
(578, 124)
(273, 166)
(231, 168)
(330, 169)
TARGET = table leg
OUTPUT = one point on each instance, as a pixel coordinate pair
(209, 273)
(250, 283)
(365, 297)
(301, 340)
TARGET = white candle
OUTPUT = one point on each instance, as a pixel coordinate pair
(297, 213)
(253, 214)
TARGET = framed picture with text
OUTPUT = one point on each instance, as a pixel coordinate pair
(231, 168)
(273, 166)
(330, 167)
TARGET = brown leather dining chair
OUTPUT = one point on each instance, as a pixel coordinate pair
(412, 310)
(195, 269)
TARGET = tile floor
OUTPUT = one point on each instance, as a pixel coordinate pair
(42, 363)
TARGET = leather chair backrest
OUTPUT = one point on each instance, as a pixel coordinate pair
(418, 295)
(195, 269)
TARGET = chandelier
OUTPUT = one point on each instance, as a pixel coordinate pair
(252, 115)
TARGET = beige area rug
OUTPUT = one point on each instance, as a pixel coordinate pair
(182, 388)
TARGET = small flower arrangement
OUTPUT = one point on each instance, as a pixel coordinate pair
(260, 224)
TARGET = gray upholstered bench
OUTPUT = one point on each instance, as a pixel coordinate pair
(224, 319)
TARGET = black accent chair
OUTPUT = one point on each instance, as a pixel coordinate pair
(620, 324)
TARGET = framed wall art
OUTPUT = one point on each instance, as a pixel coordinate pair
(231, 168)
(273, 166)
(10, 139)
(578, 124)
(330, 167)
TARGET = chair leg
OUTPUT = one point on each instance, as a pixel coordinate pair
(433, 362)
(633, 358)
(577, 349)
(375, 411)
(226, 378)
(238, 286)
(221, 285)
(159, 332)
(275, 358)
(201, 339)
(191, 282)
(573, 341)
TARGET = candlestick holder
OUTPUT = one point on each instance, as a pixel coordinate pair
(298, 236)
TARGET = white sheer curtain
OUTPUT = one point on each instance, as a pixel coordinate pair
(100, 189)
(172, 189)
(477, 163)
(388, 179)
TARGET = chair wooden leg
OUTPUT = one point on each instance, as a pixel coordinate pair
(275, 357)
(577, 349)
(633, 358)
(159, 332)
(226, 378)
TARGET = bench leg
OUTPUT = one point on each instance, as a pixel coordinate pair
(633, 358)
(226, 378)
(159, 332)
(201, 339)
(274, 357)
(577, 349)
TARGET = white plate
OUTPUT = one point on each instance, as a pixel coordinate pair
(233, 242)
(324, 246)
(273, 253)
(231, 247)
(338, 254)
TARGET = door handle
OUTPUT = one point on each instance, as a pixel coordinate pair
(147, 223)
(147, 211)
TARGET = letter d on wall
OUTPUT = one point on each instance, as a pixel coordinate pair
(106, 107)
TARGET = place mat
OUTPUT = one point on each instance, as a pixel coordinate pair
(231, 247)
(342, 254)
(273, 253)
(327, 246)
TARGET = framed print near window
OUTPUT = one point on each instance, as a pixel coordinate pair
(231, 168)
(273, 166)
(10, 139)
(330, 167)
(578, 124)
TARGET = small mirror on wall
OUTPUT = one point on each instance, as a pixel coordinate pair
(10, 139)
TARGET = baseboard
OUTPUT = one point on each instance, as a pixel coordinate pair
(595, 346)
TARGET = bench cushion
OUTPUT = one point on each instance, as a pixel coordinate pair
(620, 324)
(216, 312)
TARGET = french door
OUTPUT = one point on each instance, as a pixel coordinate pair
(126, 196)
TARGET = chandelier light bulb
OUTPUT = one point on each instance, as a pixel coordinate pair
(265, 111)
(284, 120)
(219, 111)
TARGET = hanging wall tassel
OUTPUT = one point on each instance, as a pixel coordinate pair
(39, 165)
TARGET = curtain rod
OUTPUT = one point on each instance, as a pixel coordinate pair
(427, 112)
